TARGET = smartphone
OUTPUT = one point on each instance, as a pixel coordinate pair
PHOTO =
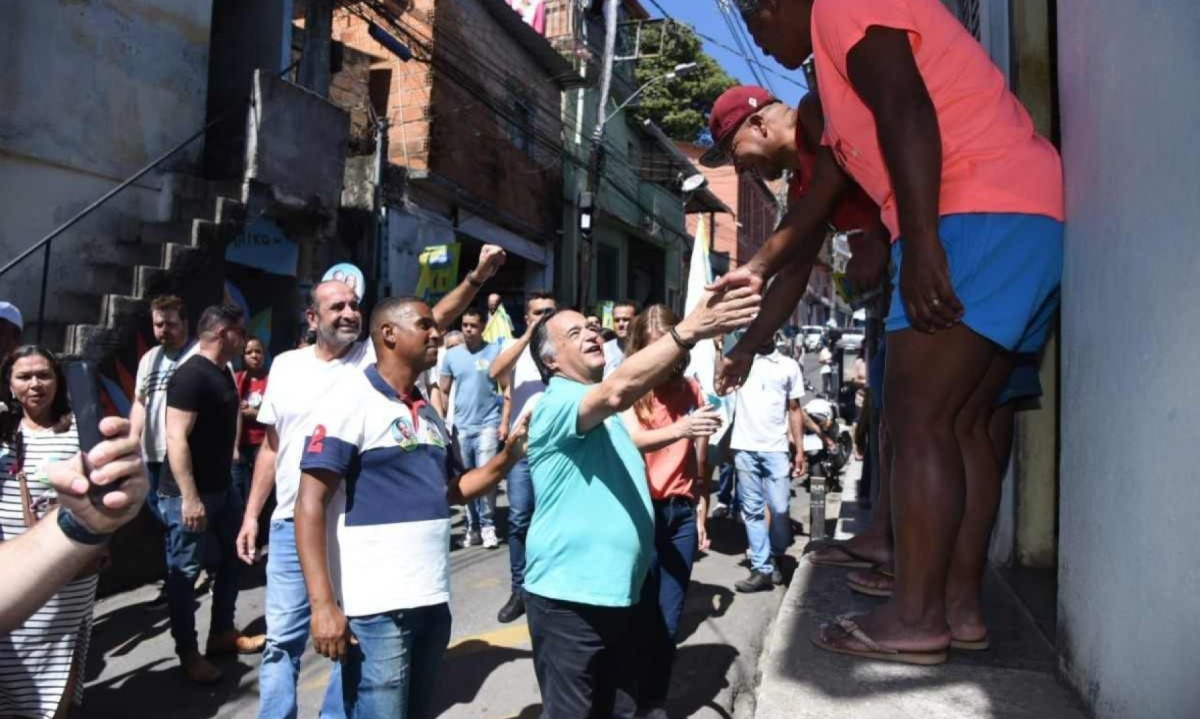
(83, 393)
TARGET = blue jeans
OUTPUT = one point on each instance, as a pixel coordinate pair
(663, 594)
(153, 472)
(764, 479)
(243, 470)
(186, 555)
(390, 673)
(288, 616)
(520, 511)
(478, 445)
(727, 493)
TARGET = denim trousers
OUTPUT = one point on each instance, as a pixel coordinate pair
(186, 552)
(664, 593)
(288, 616)
(392, 671)
(153, 472)
(520, 511)
(585, 658)
(765, 482)
(478, 445)
(243, 470)
(727, 493)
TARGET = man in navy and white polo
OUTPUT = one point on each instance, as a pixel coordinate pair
(373, 519)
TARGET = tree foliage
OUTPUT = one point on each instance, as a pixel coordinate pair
(679, 106)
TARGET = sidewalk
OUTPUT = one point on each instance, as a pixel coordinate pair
(1015, 678)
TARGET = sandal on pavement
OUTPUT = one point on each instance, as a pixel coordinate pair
(846, 637)
(874, 582)
(977, 645)
(837, 555)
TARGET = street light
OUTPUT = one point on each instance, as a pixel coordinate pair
(587, 197)
(679, 70)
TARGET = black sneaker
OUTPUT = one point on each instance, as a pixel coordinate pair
(756, 582)
(777, 576)
(512, 609)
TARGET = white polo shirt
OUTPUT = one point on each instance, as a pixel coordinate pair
(298, 381)
(760, 419)
(388, 528)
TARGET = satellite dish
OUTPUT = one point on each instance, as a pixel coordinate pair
(693, 183)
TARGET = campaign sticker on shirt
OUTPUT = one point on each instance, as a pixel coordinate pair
(434, 436)
(316, 443)
(404, 435)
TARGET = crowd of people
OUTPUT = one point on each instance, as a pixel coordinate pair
(910, 139)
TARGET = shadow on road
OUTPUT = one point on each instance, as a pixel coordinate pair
(700, 673)
(159, 689)
(471, 663)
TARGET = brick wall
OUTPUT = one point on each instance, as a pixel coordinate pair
(466, 105)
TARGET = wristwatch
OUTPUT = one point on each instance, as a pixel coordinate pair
(75, 531)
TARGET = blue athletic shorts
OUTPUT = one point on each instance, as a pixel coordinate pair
(1005, 269)
(1024, 383)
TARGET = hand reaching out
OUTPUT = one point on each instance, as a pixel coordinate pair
(491, 259)
(704, 422)
(732, 371)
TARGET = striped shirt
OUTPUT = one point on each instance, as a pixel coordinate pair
(36, 658)
(388, 529)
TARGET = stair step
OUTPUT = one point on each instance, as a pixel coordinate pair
(79, 336)
(229, 210)
(147, 279)
(174, 254)
(159, 233)
(116, 308)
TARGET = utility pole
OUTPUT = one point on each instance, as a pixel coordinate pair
(315, 71)
(587, 198)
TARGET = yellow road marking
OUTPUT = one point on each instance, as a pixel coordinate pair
(509, 637)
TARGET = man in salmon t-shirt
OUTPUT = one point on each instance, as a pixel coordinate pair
(972, 197)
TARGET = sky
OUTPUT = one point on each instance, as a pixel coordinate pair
(707, 20)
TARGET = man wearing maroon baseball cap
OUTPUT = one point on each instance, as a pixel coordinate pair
(730, 110)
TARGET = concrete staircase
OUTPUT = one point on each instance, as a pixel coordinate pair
(167, 256)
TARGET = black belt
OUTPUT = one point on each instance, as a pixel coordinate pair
(675, 499)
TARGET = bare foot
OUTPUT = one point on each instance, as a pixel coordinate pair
(873, 582)
(966, 620)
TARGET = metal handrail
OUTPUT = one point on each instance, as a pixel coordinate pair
(49, 238)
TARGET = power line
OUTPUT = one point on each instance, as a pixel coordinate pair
(752, 62)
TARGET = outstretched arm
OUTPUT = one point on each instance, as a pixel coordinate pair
(802, 231)
(448, 309)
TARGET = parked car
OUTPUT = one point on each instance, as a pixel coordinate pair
(814, 337)
(851, 340)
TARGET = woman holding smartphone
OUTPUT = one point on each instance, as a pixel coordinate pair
(41, 662)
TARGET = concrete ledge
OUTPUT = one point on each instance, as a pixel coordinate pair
(1015, 678)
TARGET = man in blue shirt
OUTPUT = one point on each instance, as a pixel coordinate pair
(477, 410)
(592, 533)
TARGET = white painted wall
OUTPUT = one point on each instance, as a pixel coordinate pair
(1129, 555)
(91, 91)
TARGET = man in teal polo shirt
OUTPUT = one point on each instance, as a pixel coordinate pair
(592, 532)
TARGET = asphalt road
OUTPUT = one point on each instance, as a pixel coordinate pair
(487, 671)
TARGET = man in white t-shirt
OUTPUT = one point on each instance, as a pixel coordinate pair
(517, 373)
(768, 404)
(614, 349)
(298, 382)
(148, 413)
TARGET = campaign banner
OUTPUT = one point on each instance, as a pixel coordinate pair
(439, 271)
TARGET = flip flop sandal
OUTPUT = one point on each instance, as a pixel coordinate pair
(835, 638)
(978, 645)
(871, 589)
(852, 560)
